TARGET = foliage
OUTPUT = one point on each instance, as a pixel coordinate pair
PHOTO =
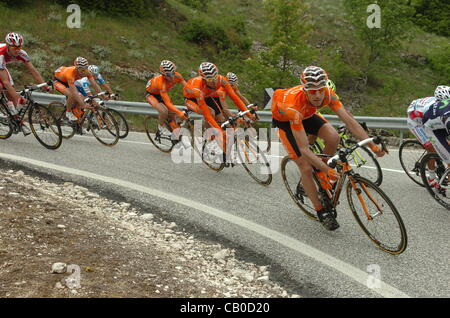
(395, 25)
(290, 30)
(137, 8)
(433, 16)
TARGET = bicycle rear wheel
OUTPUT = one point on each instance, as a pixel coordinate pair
(121, 122)
(254, 160)
(5, 125)
(290, 173)
(410, 154)
(104, 127)
(162, 142)
(364, 162)
(59, 112)
(212, 155)
(440, 192)
(45, 127)
(376, 215)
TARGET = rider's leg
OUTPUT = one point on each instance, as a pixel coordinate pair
(160, 107)
(306, 170)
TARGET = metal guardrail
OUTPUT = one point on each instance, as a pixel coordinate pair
(397, 123)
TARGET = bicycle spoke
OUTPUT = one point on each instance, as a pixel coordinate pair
(376, 215)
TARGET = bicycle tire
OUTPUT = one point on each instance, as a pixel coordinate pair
(440, 171)
(6, 129)
(217, 164)
(162, 143)
(121, 122)
(59, 111)
(416, 170)
(103, 120)
(258, 137)
(295, 190)
(375, 178)
(247, 160)
(44, 124)
(400, 243)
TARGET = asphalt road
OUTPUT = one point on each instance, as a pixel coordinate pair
(260, 220)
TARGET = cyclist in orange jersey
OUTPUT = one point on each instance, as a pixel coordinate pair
(233, 79)
(200, 92)
(65, 78)
(294, 112)
(158, 97)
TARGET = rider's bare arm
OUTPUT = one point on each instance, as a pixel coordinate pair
(34, 72)
(355, 128)
(12, 94)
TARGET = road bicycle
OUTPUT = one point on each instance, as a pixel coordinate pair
(166, 142)
(244, 150)
(362, 160)
(440, 189)
(120, 119)
(411, 153)
(373, 210)
(43, 124)
(96, 118)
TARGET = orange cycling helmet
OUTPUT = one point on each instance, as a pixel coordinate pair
(232, 78)
(167, 68)
(81, 62)
(208, 70)
(314, 77)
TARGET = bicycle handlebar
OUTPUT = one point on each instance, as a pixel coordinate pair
(343, 153)
(36, 87)
(241, 114)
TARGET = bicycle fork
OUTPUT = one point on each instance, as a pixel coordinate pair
(361, 199)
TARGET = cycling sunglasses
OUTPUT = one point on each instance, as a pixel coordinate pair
(15, 48)
(315, 90)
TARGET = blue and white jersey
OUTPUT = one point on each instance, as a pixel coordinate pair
(421, 105)
(438, 116)
(83, 85)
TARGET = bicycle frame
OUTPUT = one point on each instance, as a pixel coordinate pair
(347, 171)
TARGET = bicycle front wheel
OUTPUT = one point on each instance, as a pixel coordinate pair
(410, 154)
(440, 190)
(45, 127)
(104, 127)
(121, 122)
(254, 160)
(212, 155)
(376, 215)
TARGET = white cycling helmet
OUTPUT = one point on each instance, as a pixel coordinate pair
(81, 62)
(232, 78)
(14, 39)
(208, 70)
(442, 92)
(167, 68)
(314, 77)
(94, 70)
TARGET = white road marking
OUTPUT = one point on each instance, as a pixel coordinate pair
(349, 270)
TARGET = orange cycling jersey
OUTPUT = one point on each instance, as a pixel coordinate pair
(292, 105)
(68, 75)
(196, 88)
(159, 85)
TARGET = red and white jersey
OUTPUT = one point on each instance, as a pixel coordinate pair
(5, 58)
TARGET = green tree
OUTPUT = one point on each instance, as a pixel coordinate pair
(290, 30)
(395, 17)
(432, 15)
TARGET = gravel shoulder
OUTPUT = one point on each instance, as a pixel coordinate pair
(109, 249)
